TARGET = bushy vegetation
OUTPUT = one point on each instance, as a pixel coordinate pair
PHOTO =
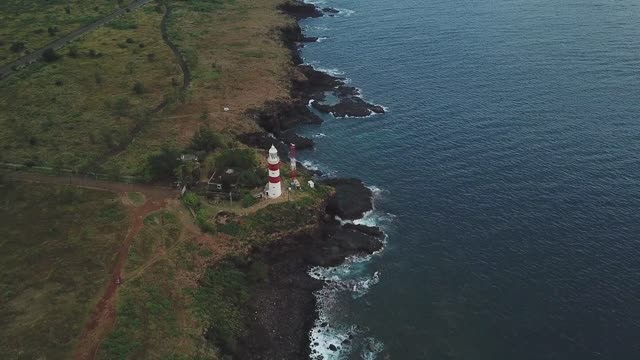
(205, 140)
(162, 165)
(191, 200)
(36, 23)
(248, 200)
(79, 110)
(220, 300)
(239, 159)
(52, 269)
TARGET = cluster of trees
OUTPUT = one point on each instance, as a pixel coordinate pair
(247, 173)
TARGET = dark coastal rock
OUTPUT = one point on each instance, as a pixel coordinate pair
(278, 116)
(344, 91)
(283, 307)
(301, 142)
(323, 108)
(309, 39)
(333, 347)
(329, 10)
(369, 230)
(300, 10)
(291, 34)
(356, 241)
(261, 140)
(313, 83)
(351, 106)
(351, 200)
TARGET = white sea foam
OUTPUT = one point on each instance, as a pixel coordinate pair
(321, 38)
(332, 72)
(326, 171)
(310, 165)
(345, 12)
(319, 135)
(371, 349)
(353, 277)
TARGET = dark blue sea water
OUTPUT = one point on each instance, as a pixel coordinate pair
(509, 169)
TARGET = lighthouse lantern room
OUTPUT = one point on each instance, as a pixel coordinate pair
(274, 187)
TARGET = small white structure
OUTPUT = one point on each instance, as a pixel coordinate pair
(275, 187)
(311, 184)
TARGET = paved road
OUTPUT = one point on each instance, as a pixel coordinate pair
(35, 55)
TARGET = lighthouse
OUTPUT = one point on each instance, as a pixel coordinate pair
(274, 188)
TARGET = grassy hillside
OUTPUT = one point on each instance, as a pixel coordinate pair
(83, 106)
(27, 25)
(57, 248)
(236, 60)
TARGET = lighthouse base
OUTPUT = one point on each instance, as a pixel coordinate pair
(274, 190)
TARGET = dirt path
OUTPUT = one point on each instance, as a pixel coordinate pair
(139, 127)
(7, 70)
(103, 316)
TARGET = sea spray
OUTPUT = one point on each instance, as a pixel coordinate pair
(329, 338)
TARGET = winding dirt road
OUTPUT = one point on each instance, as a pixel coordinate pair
(104, 315)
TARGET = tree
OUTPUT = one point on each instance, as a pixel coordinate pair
(244, 159)
(162, 164)
(191, 200)
(120, 107)
(248, 200)
(138, 88)
(18, 46)
(250, 179)
(73, 51)
(205, 140)
(49, 55)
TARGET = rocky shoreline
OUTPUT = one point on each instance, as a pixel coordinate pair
(308, 87)
(283, 309)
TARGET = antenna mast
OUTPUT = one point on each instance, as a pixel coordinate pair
(292, 154)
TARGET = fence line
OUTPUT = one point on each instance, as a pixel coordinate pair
(62, 172)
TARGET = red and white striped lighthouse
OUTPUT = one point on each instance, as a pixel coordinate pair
(274, 186)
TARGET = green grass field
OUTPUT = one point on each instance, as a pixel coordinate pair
(35, 23)
(73, 111)
(57, 248)
(154, 320)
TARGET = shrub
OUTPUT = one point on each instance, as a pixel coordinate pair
(191, 200)
(73, 51)
(248, 200)
(205, 140)
(244, 159)
(18, 46)
(120, 107)
(49, 55)
(161, 165)
(138, 88)
(250, 179)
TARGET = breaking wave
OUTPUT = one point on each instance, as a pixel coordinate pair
(330, 339)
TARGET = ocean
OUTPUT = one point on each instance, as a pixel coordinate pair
(506, 175)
